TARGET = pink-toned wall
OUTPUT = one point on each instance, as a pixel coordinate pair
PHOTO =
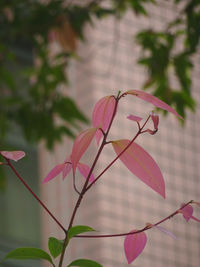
(119, 201)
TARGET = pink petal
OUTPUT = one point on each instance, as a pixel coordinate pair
(155, 119)
(134, 118)
(187, 212)
(54, 172)
(134, 245)
(66, 170)
(13, 155)
(84, 170)
(140, 163)
(153, 100)
(81, 144)
(162, 229)
(102, 114)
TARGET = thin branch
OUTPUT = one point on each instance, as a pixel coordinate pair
(138, 231)
(35, 196)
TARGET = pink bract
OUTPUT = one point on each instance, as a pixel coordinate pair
(13, 155)
(134, 245)
(102, 115)
(140, 163)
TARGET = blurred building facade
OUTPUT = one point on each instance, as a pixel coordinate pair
(120, 202)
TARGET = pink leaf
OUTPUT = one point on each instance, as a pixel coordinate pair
(162, 229)
(155, 119)
(102, 115)
(187, 212)
(67, 169)
(134, 118)
(153, 100)
(13, 155)
(140, 163)
(84, 170)
(134, 245)
(54, 172)
(81, 144)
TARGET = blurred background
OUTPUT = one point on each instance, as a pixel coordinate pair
(57, 59)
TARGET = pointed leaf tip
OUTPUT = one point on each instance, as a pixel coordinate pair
(141, 164)
(13, 155)
(134, 245)
(102, 115)
(153, 100)
(54, 172)
(81, 144)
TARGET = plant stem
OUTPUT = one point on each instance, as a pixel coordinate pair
(35, 196)
(138, 231)
(83, 191)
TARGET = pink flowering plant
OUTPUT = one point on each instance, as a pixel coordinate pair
(133, 156)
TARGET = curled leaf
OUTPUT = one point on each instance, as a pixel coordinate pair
(155, 119)
(141, 164)
(102, 115)
(153, 100)
(134, 245)
(13, 155)
(81, 144)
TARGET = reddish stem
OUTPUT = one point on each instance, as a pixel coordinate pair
(35, 196)
(138, 231)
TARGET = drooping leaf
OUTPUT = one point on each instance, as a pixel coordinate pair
(54, 172)
(13, 155)
(78, 229)
(84, 170)
(84, 263)
(140, 163)
(81, 144)
(187, 212)
(102, 114)
(134, 245)
(134, 118)
(28, 254)
(55, 246)
(153, 100)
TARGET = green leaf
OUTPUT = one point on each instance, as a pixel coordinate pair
(84, 263)
(55, 246)
(78, 229)
(27, 254)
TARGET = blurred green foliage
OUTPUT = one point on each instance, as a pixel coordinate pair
(31, 94)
